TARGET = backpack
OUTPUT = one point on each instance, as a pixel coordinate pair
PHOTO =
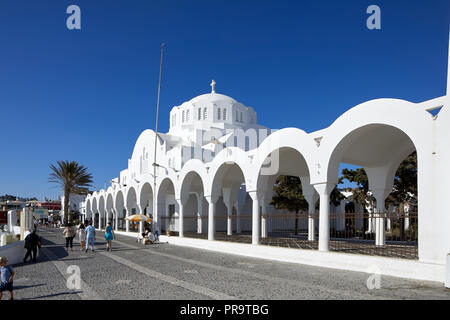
(28, 240)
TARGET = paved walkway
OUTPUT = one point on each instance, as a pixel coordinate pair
(163, 271)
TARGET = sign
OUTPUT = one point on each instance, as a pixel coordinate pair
(40, 213)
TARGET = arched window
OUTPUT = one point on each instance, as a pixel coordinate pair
(184, 117)
(205, 113)
(218, 114)
(199, 113)
(224, 114)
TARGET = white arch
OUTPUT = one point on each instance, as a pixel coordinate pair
(417, 125)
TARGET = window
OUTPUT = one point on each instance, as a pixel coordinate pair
(237, 116)
(187, 116)
(218, 114)
(199, 113)
(241, 116)
(224, 114)
(184, 117)
(205, 113)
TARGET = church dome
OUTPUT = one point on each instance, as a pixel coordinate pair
(211, 109)
(212, 98)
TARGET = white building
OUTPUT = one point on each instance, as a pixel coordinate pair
(76, 204)
(216, 167)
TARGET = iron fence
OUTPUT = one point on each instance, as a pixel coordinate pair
(349, 232)
(290, 229)
(357, 233)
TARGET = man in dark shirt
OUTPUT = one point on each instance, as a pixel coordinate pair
(32, 241)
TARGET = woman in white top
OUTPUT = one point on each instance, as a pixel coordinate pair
(81, 235)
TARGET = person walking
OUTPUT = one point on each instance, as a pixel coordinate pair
(82, 235)
(35, 223)
(6, 278)
(90, 237)
(109, 236)
(31, 243)
(69, 234)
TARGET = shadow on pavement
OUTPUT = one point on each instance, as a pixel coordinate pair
(26, 287)
(54, 295)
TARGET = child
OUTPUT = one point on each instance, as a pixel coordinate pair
(7, 275)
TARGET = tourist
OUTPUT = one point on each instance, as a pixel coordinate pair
(90, 237)
(151, 237)
(82, 235)
(109, 236)
(156, 229)
(69, 234)
(7, 275)
(31, 243)
(35, 223)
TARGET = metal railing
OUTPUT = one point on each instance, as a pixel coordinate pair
(289, 230)
(356, 233)
(349, 232)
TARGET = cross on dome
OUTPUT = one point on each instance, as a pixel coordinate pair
(213, 86)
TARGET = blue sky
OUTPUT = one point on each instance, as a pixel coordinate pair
(87, 94)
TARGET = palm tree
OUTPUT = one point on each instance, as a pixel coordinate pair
(73, 178)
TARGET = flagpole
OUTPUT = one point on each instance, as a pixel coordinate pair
(156, 139)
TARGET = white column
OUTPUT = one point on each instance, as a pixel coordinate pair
(116, 217)
(141, 223)
(156, 223)
(229, 219)
(127, 223)
(211, 213)
(380, 233)
(199, 213)
(180, 217)
(255, 217)
(100, 220)
(311, 197)
(324, 190)
(264, 233)
(371, 222)
(340, 226)
(238, 218)
(106, 217)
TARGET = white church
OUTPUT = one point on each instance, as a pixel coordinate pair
(210, 181)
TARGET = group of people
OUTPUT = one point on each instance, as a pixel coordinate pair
(54, 222)
(149, 237)
(87, 236)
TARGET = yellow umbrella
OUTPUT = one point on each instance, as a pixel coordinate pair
(138, 218)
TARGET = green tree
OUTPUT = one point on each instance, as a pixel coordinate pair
(361, 192)
(288, 195)
(405, 184)
(73, 178)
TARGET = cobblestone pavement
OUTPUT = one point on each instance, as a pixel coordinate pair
(162, 271)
